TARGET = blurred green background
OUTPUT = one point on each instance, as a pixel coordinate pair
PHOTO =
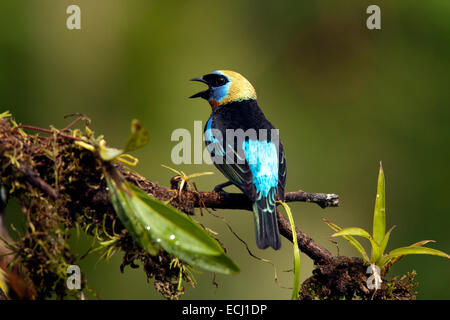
(344, 98)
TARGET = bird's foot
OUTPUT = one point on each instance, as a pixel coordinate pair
(219, 187)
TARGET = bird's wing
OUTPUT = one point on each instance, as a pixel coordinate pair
(230, 162)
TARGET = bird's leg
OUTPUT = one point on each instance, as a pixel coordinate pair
(219, 187)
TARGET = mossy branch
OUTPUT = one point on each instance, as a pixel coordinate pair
(60, 186)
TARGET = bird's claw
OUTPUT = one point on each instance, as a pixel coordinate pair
(219, 190)
(219, 187)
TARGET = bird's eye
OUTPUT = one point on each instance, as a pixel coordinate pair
(215, 80)
(221, 81)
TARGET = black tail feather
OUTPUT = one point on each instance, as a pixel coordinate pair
(266, 224)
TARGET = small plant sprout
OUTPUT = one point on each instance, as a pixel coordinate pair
(137, 139)
(379, 238)
(185, 271)
(108, 244)
(184, 179)
(5, 114)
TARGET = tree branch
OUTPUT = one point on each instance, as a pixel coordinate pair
(188, 200)
(240, 201)
(58, 183)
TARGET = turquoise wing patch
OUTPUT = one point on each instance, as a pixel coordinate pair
(262, 158)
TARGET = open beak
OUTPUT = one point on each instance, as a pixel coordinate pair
(202, 94)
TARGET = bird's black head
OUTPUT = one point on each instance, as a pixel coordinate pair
(225, 87)
(213, 80)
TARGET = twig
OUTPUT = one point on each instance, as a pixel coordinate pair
(43, 130)
(324, 200)
(240, 201)
(36, 181)
(306, 244)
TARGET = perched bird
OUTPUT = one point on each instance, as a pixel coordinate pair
(246, 148)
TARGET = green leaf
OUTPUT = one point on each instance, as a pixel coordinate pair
(120, 200)
(172, 169)
(139, 137)
(352, 232)
(152, 222)
(199, 174)
(421, 243)
(387, 265)
(376, 253)
(355, 243)
(5, 114)
(296, 286)
(385, 241)
(376, 250)
(108, 154)
(379, 216)
(413, 250)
